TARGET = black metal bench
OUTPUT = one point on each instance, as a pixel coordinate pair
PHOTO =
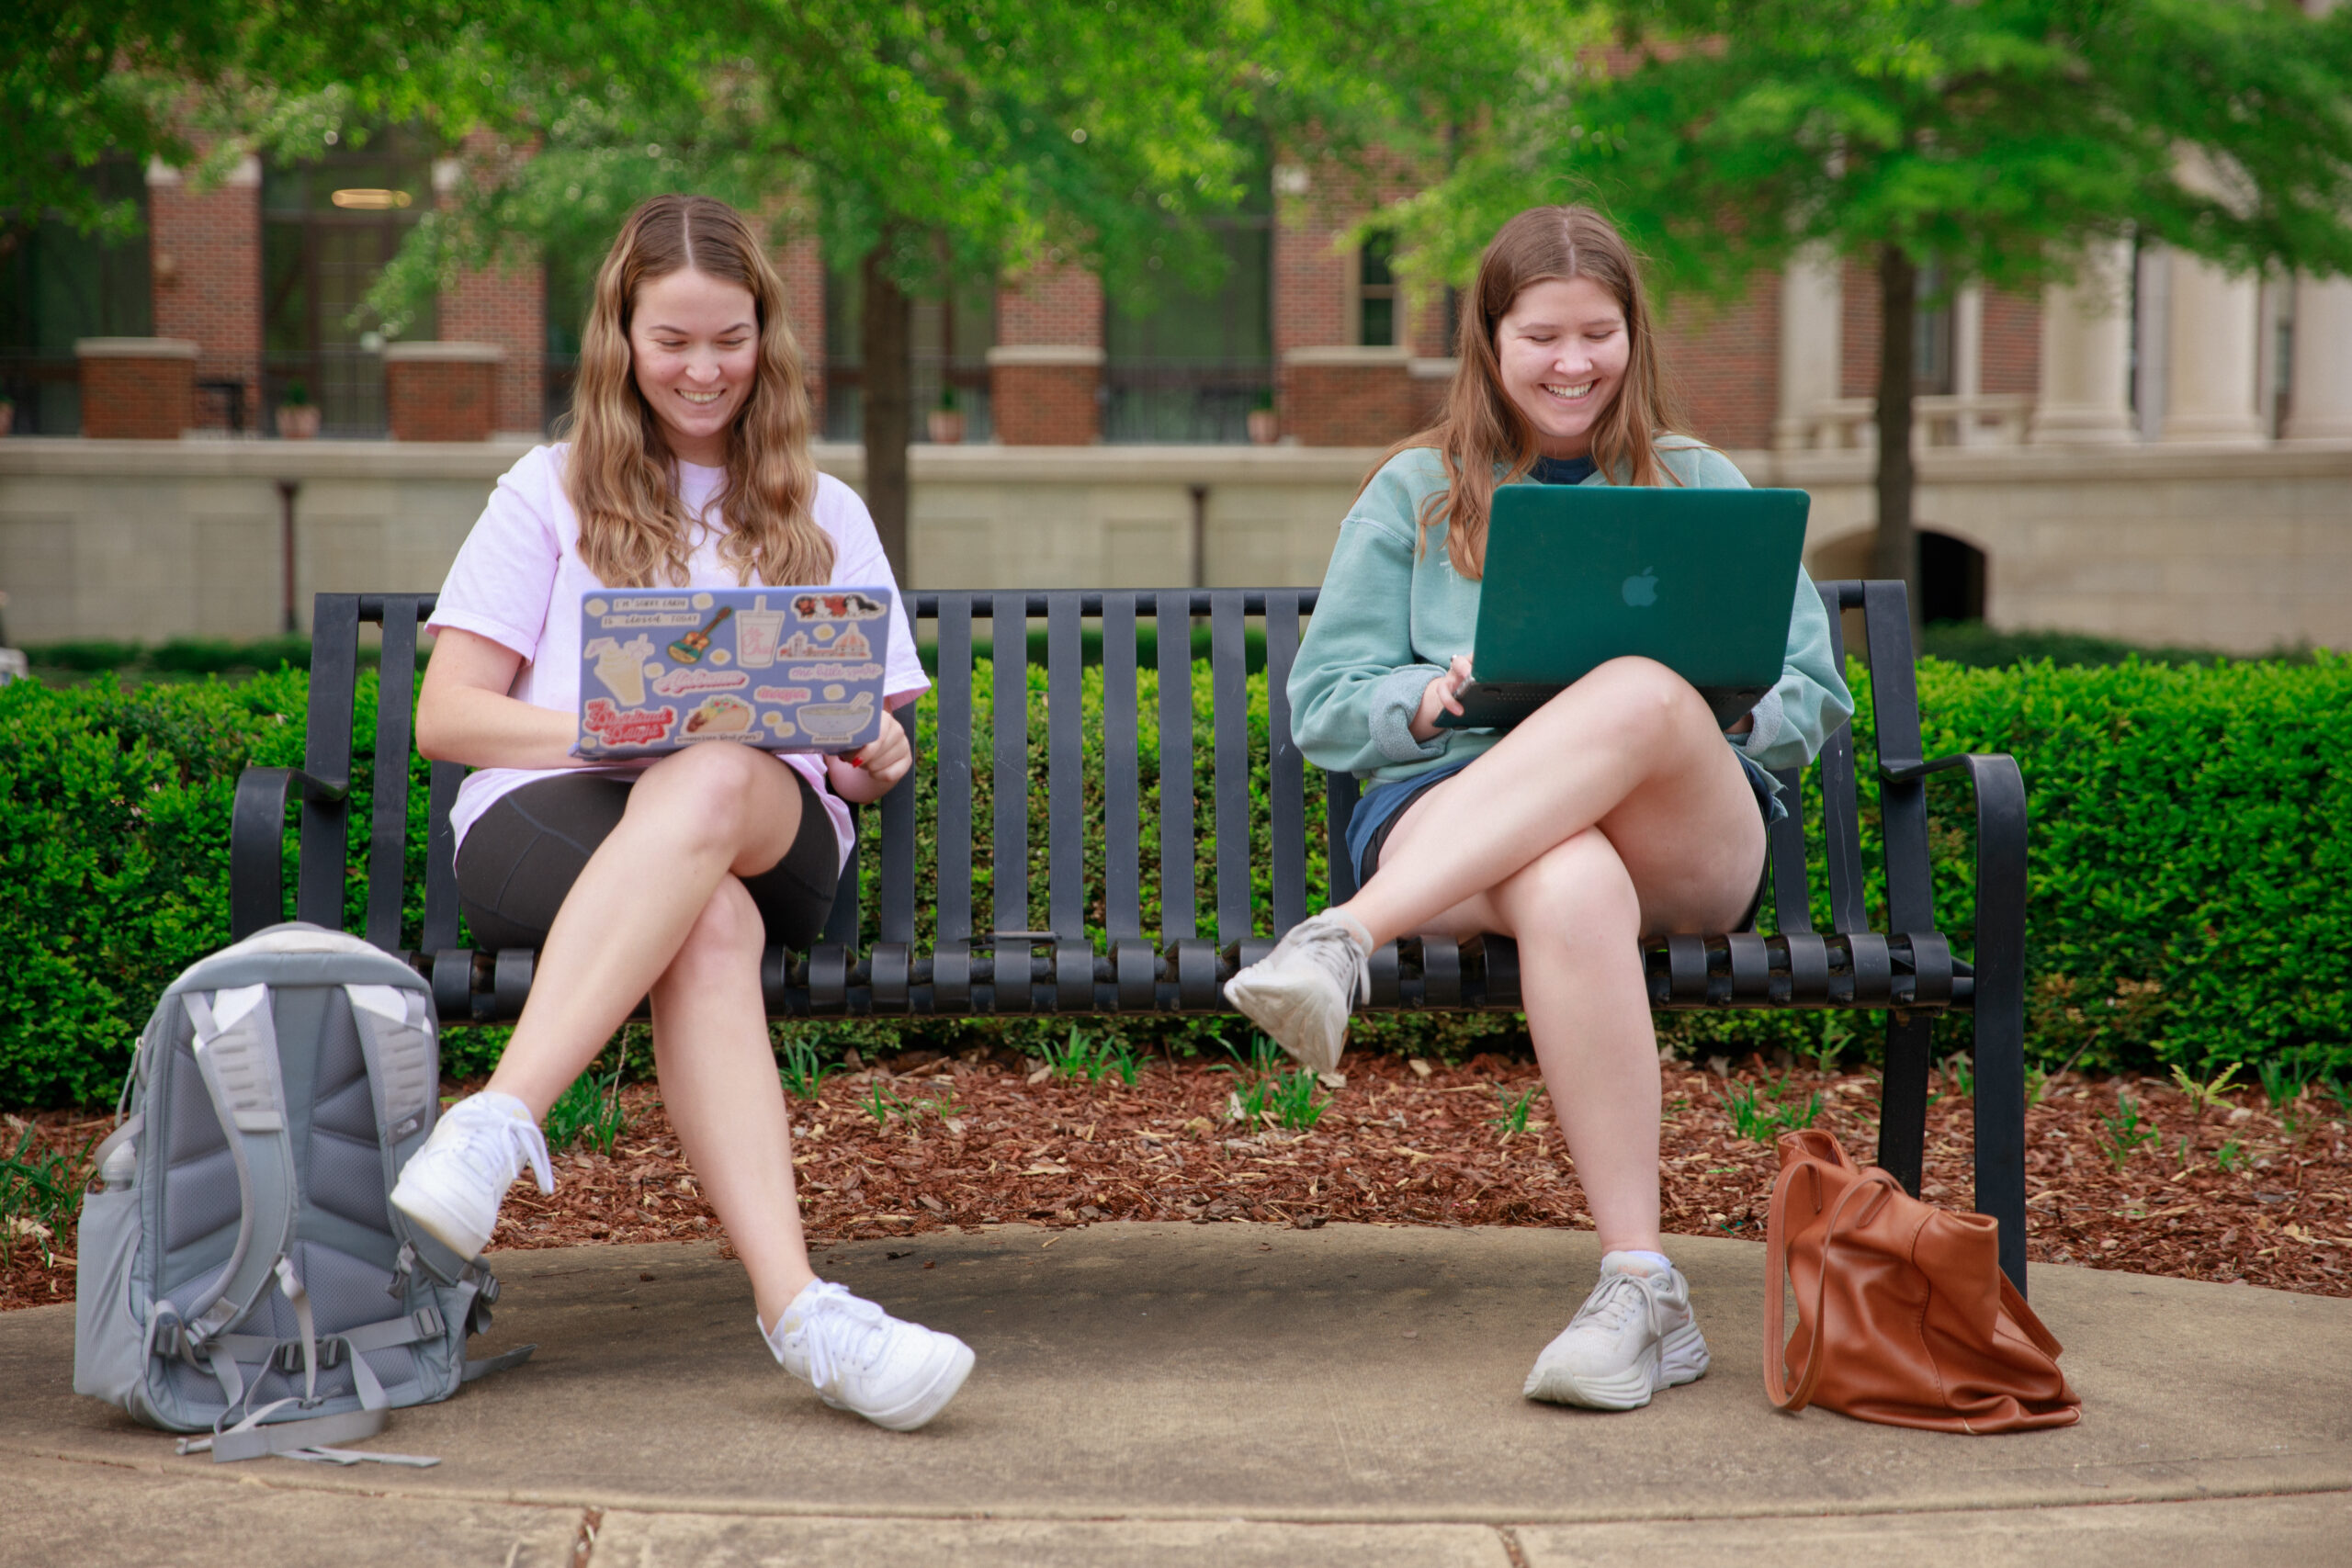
(1908, 969)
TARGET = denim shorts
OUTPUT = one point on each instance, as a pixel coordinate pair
(1380, 807)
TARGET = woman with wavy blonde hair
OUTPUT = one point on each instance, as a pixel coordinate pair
(1616, 812)
(687, 465)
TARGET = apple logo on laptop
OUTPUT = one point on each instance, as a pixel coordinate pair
(1642, 592)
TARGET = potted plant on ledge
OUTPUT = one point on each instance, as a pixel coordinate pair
(1265, 426)
(947, 421)
(297, 417)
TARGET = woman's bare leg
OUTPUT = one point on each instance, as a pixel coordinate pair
(695, 819)
(1681, 859)
(720, 1088)
(1630, 747)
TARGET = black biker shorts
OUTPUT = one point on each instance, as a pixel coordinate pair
(518, 863)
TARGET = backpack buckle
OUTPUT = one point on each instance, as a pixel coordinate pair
(287, 1357)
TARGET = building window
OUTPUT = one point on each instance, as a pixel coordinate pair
(57, 285)
(1931, 341)
(951, 337)
(1376, 305)
(570, 281)
(329, 225)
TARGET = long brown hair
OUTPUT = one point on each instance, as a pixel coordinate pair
(622, 476)
(1479, 424)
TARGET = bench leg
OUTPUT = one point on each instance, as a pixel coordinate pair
(2000, 1109)
(1903, 1098)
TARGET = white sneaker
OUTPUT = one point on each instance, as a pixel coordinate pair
(859, 1358)
(452, 1186)
(1300, 993)
(1633, 1337)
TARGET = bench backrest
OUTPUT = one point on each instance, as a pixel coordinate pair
(1005, 618)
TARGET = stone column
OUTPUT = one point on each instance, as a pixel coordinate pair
(1813, 311)
(2320, 405)
(2209, 388)
(442, 391)
(136, 389)
(2087, 355)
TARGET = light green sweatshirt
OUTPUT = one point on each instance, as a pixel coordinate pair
(1388, 620)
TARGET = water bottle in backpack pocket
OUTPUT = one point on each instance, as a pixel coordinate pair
(242, 1272)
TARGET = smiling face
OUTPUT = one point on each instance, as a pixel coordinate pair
(1562, 349)
(693, 345)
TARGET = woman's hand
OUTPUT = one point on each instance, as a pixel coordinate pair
(869, 773)
(1441, 695)
(465, 716)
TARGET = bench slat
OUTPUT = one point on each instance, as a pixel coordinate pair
(1903, 804)
(953, 770)
(1340, 792)
(334, 668)
(1009, 780)
(1285, 767)
(440, 861)
(1229, 678)
(1122, 792)
(388, 823)
(1840, 821)
(1065, 773)
(1791, 900)
(897, 915)
(1178, 920)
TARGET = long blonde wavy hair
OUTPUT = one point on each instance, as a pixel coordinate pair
(1479, 426)
(622, 476)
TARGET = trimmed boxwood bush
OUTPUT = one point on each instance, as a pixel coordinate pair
(2189, 842)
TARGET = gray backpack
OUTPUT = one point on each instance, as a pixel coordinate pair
(242, 1272)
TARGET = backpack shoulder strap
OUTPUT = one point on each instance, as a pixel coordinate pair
(398, 1041)
(236, 1052)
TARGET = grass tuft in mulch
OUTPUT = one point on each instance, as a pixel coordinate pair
(2130, 1174)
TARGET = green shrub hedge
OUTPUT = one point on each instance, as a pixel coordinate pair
(2189, 839)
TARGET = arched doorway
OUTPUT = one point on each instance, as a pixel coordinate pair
(1951, 572)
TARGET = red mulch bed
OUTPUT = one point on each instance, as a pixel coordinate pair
(2244, 1192)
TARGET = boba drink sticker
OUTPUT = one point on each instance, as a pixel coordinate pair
(781, 669)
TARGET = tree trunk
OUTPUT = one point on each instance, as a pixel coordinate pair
(886, 340)
(1895, 551)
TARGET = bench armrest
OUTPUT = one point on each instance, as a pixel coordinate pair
(256, 835)
(1999, 999)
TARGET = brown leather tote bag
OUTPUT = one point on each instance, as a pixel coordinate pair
(1903, 1313)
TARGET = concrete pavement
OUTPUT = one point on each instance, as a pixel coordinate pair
(1233, 1394)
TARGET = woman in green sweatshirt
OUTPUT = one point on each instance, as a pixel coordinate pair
(1616, 811)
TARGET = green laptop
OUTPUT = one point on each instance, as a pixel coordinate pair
(1699, 580)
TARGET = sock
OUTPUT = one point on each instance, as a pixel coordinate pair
(1648, 1262)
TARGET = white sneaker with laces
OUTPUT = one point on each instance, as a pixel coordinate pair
(452, 1186)
(859, 1358)
(1633, 1337)
(1300, 993)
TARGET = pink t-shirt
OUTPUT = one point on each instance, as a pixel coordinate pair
(518, 579)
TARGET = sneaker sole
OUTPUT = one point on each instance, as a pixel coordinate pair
(1281, 1014)
(1682, 1359)
(440, 1225)
(944, 1384)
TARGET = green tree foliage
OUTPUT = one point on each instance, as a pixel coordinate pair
(923, 141)
(1992, 140)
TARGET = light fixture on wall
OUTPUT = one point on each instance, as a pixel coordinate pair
(361, 200)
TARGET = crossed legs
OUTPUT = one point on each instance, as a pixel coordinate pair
(1615, 811)
(661, 909)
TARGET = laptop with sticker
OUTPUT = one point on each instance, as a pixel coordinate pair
(781, 669)
(1576, 575)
